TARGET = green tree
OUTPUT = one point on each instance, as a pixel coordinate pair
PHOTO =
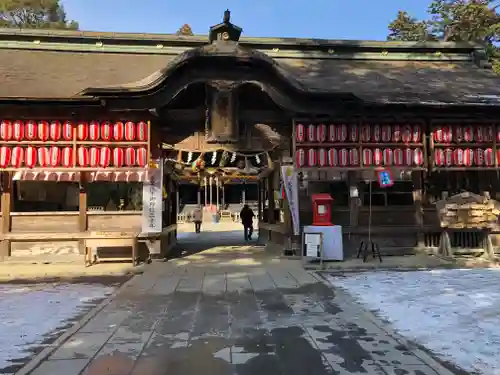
(185, 30)
(405, 27)
(476, 21)
(34, 14)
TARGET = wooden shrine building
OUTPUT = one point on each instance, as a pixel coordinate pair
(84, 113)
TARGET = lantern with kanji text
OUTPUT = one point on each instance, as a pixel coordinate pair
(142, 131)
(406, 134)
(300, 133)
(377, 133)
(468, 157)
(17, 157)
(311, 133)
(311, 157)
(55, 156)
(398, 157)
(377, 156)
(332, 133)
(94, 131)
(30, 157)
(18, 131)
(353, 156)
(94, 157)
(67, 130)
(142, 157)
(43, 130)
(118, 157)
(417, 133)
(321, 133)
(43, 157)
(104, 157)
(83, 156)
(55, 131)
(129, 131)
(118, 131)
(82, 131)
(333, 158)
(479, 157)
(365, 133)
(489, 157)
(6, 130)
(322, 157)
(130, 158)
(353, 133)
(5, 153)
(67, 157)
(300, 157)
(344, 157)
(30, 130)
(387, 156)
(106, 131)
(386, 133)
(396, 133)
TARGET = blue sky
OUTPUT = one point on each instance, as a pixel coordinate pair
(331, 19)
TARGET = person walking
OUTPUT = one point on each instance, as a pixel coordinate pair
(246, 216)
(197, 218)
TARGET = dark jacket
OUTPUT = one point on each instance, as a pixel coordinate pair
(246, 216)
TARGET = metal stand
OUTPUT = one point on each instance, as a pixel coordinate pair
(365, 246)
(307, 259)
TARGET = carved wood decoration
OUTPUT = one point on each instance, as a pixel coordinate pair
(223, 122)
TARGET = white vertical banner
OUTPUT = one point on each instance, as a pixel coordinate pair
(291, 185)
(152, 200)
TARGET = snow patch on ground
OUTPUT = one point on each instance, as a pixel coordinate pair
(454, 313)
(31, 314)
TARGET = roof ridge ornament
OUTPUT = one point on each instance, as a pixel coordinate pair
(225, 31)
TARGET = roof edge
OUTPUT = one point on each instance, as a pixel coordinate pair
(72, 37)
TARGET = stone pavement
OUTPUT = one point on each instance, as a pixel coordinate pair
(232, 309)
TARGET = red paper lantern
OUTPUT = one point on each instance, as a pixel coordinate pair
(377, 133)
(30, 130)
(489, 158)
(94, 157)
(118, 131)
(458, 157)
(406, 134)
(365, 133)
(448, 157)
(5, 154)
(396, 133)
(43, 157)
(408, 157)
(488, 133)
(300, 133)
(104, 157)
(18, 131)
(367, 156)
(479, 157)
(344, 157)
(459, 134)
(386, 133)
(142, 157)
(67, 157)
(94, 131)
(443, 134)
(332, 133)
(322, 157)
(129, 131)
(341, 132)
(83, 157)
(130, 156)
(398, 156)
(354, 156)
(387, 156)
(311, 133)
(82, 131)
(418, 156)
(106, 131)
(479, 134)
(333, 158)
(118, 157)
(300, 157)
(498, 134)
(17, 157)
(55, 130)
(142, 131)
(353, 133)
(439, 157)
(417, 133)
(43, 130)
(468, 157)
(30, 157)
(468, 134)
(311, 157)
(67, 131)
(55, 156)
(321, 133)
(6, 130)
(377, 156)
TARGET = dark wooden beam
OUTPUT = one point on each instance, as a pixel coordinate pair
(198, 115)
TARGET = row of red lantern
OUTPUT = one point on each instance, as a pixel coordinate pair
(466, 134)
(95, 157)
(55, 131)
(352, 133)
(350, 157)
(465, 157)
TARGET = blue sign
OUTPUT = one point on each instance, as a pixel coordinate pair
(385, 178)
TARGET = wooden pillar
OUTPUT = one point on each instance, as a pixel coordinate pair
(259, 200)
(82, 210)
(418, 203)
(6, 204)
